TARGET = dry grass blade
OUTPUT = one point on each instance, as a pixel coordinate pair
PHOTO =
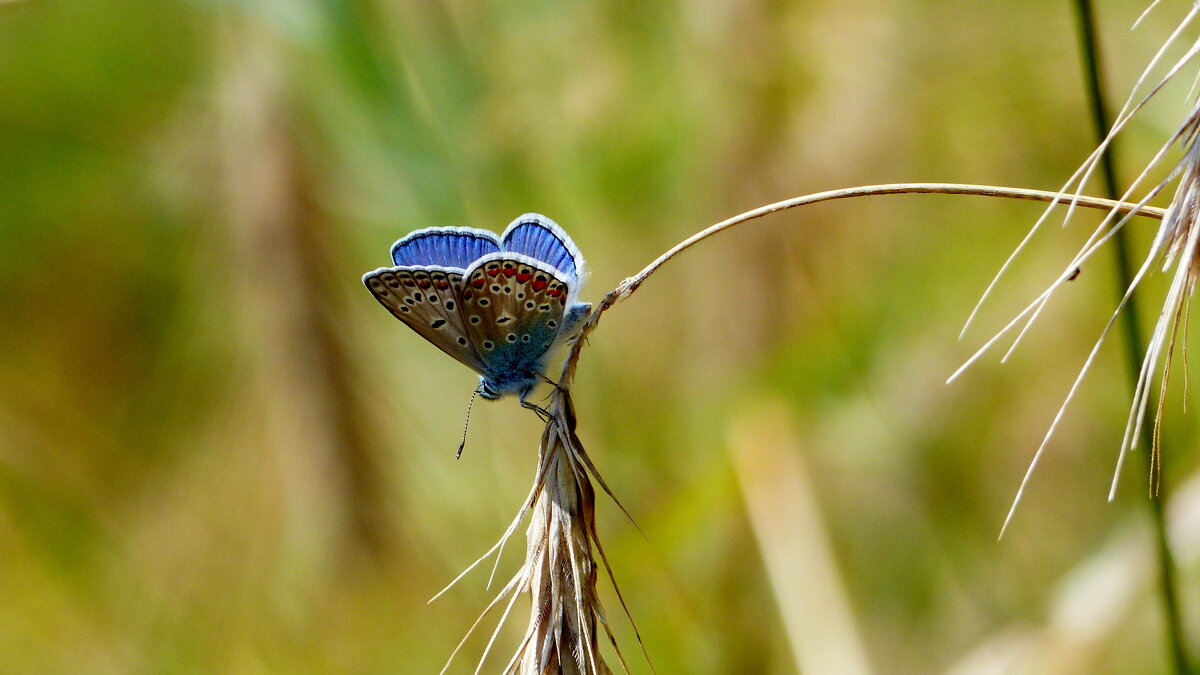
(560, 571)
(796, 549)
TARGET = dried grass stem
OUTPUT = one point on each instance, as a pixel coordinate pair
(631, 284)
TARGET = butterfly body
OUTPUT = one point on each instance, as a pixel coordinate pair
(498, 305)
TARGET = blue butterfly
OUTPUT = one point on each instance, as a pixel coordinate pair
(497, 304)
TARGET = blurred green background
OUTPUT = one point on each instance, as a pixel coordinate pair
(219, 454)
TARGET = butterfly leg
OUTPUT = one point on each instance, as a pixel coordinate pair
(530, 405)
(541, 412)
(552, 383)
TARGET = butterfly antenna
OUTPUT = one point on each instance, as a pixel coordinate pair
(467, 423)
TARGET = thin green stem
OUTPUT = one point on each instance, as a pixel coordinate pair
(1135, 346)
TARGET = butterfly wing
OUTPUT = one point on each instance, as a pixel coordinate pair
(425, 287)
(513, 307)
(427, 300)
(540, 238)
(454, 247)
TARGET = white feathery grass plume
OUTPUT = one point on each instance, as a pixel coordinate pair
(1175, 245)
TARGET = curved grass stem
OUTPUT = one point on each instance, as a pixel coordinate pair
(631, 284)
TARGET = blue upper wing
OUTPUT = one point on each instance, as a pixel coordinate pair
(542, 239)
(456, 247)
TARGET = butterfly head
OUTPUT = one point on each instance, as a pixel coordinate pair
(488, 390)
(515, 383)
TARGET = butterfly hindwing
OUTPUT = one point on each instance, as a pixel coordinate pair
(427, 300)
(513, 306)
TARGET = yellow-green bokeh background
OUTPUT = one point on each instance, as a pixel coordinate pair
(219, 454)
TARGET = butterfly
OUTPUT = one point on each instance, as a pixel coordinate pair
(498, 305)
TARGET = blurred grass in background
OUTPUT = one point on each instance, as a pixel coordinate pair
(217, 454)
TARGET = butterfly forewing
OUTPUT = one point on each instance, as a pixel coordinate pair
(427, 300)
(513, 306)
(448, 247)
